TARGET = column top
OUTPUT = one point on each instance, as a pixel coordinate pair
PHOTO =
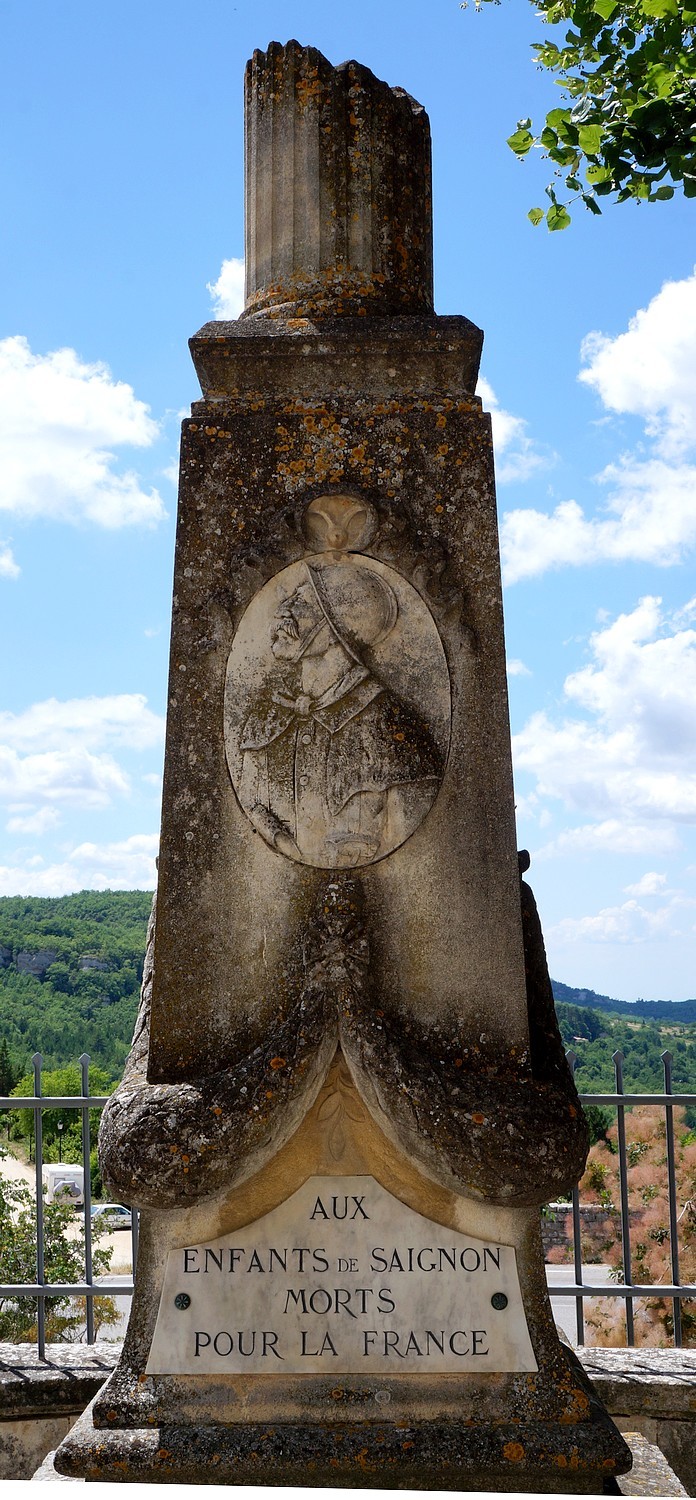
(338, 190)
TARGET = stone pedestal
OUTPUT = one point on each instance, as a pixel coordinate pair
(347, 1098)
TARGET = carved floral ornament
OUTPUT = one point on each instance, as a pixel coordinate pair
(337, 699)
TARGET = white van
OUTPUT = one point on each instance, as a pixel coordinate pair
(64, 1181)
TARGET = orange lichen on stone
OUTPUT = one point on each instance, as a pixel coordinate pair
(513, 1452)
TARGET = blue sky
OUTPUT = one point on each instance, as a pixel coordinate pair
(121, 182)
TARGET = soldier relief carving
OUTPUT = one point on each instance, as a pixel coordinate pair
(337, 699)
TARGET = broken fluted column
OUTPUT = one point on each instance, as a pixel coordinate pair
(338, 190)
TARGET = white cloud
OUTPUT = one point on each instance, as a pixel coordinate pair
(650, 884)
(610, 836)
(630, 761)
(60, 420)
(57, 753)
(629, 923)
(517, 668)
(23, 820)
(8, 567)
(120, 719)
(517, 457)
(228, 291)
(125, 865)
(650, 517)
(650, 370)
(650, 514)
(71, 778)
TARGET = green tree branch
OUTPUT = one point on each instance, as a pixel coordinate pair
(627, 127)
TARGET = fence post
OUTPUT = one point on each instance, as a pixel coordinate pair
(617, 1059)
(672, 1187)
(571, 1058)
(37, 1063)
(87, 1194)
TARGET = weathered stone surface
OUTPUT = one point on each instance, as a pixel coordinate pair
(40, 1399)
(338, 195)
(248, 477)
(353, 1455)
(63, 1383)
(478, 1129)
(659, 1383)
(344, 980)
(650, 1473)
(23, 1444)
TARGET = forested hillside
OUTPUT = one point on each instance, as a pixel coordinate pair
(70, 971)
(594, 1037)
(641, 1010)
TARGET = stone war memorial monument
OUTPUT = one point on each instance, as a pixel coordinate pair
(347, 1098)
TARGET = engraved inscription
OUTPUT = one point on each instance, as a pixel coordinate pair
(337, 711)
(343, 1278)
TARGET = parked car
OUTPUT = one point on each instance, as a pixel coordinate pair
(110, 1216)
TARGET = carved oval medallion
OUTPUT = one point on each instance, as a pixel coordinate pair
(337, 711)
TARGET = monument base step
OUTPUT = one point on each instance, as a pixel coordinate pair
(583, 1458)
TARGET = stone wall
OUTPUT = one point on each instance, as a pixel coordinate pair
(557, 1229)
(651, 1391)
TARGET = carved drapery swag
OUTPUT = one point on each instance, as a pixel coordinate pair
(473, 1124)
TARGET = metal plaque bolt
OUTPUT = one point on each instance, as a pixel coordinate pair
(182, 1301)
(499, 1301)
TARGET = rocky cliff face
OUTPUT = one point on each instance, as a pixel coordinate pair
(36, 963)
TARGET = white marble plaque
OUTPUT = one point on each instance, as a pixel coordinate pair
(342, 1277)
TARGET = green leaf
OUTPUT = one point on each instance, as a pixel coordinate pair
(605, 8)
(535, 216)
(566, 156)
(591, 204)
(659, 8)
(557, 217)
(595, 173)
(520, 142)
(549, 139)
(590, 137)
(582, 111)
(664, 192)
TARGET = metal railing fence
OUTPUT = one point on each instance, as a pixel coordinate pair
(41, 1288)
(629, 1290)
(580, 1289)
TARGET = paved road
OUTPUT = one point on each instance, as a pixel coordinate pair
(563, 1308)
(17, 1171)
